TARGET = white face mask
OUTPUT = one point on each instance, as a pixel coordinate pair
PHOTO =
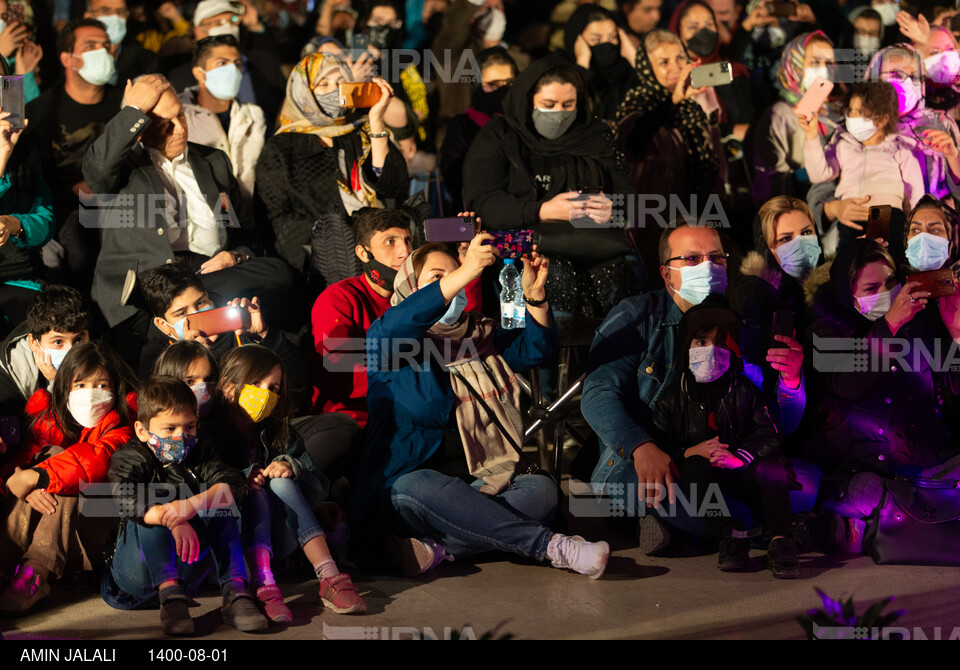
(943, 67)
(116, 27)
(811, 73)
(888, 12)
(908, 95)
(877, 305)
(709, 363)
(98, 67)
(862, 129)
(866, 43)
(88, 406)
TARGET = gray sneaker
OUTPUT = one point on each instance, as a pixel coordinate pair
(652, 535)
(240, 611)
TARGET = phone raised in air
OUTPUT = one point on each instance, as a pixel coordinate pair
(878, 222)
(782, 325)
(12, 100)
(939, 283)
(782, 9)
(815, 96)
(14, 12)
(714, 74)
(451, 229)
(221, 320)
(511, 243)
(359, 94)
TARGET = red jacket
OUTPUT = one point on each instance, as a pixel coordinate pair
(87, 460)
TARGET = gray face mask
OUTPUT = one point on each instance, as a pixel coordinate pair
(552, 124)
(330, 104)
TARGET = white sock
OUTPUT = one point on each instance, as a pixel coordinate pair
(326, 569)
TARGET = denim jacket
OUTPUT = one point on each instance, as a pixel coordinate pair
(631, 362)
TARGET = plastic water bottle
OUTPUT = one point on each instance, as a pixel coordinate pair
(513, 308)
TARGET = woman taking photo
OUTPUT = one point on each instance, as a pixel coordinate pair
(466, 373)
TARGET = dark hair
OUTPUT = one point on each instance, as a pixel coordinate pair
(929, 201)
(866, 254)
(690, 5)
(164, 394)
(179, 356)
(58, 308)
(80, 362)
(496, 56)
(597, 15)
(372, 220)
(249, 364)
(67, 39)
(871, 14)
(420, 255)
(878, 98)
(164, 283)
(202, 51)
(562, 74)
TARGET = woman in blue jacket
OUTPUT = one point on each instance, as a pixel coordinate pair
(429, 364)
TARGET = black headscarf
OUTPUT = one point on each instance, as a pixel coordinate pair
(578, 156)
(651, 105)
(610, 84)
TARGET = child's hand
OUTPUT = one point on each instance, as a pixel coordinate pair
(255, 479)
(278, 469)
(176, 513)
(723, 458)
(188, 544)
(43, 502)
(22, 482)
(809, 125)
(704, 448)
(848, 211)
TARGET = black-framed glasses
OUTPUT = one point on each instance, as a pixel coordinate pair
(697, 259)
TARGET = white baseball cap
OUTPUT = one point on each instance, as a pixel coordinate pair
(208, 8)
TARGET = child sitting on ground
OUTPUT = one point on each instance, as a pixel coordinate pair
(716, 426)
(162, 548)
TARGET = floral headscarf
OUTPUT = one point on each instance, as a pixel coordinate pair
(790, 72)
(301, 113)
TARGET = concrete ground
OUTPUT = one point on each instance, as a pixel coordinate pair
(638, 597)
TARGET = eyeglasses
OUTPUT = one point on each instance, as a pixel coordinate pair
(697, 259)
(900, 77)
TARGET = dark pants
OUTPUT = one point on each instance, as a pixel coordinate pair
(333, 442)
(146, 556)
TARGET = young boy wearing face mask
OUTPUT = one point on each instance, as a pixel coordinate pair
(164, 546)
(719, 431)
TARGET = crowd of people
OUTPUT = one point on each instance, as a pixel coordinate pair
(220, 302)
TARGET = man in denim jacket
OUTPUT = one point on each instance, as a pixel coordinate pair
(632, 360)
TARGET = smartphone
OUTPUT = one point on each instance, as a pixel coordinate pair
(452, 229)
(939, 283)
(714, 74)
(12, 100)
(511, 243)
(878, 222)
(815, 96)
(782, 9)
(955, 24)
(782, 325)
(359, 42)
(221, 320)
(10, 430)
(360, 94)
(588, 191)
(14, 12)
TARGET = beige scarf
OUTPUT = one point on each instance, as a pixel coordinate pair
(489, 453)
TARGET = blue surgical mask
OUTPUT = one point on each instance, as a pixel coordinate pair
(927, 252)
(799, 255)
(179, 325)
(709, 363)
(457, 305)
(699, 281)
(98, 67)
(56, 356)
(223, 82)
(116, 27)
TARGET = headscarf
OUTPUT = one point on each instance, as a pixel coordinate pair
(301, 113)
(489, 453)
(651, 99)
(790, 72)
(840, 277)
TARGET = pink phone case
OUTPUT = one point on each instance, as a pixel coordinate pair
(813, 99)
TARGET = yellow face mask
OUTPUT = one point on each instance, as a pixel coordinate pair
(258, 403)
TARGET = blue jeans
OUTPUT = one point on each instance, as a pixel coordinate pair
(430, 505)
(146, 556)
(277, 517)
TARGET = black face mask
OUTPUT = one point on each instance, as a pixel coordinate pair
(604, 55)
(382, 37)
(381, 275)
(489, 103)
(703, 42)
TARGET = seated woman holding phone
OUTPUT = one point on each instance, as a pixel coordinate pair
(879, 175)
(327, 160)
(546, 165)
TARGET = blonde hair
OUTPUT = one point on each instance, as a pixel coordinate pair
(657, 38)
(776, 207)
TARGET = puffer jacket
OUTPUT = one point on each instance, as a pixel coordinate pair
(886, 173)
(87, 460)
(243, 142)
(743, 421)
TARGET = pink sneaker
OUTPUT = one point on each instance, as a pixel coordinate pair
(339, 593)
(273, 605)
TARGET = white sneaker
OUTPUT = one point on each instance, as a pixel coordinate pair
(575, 553)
